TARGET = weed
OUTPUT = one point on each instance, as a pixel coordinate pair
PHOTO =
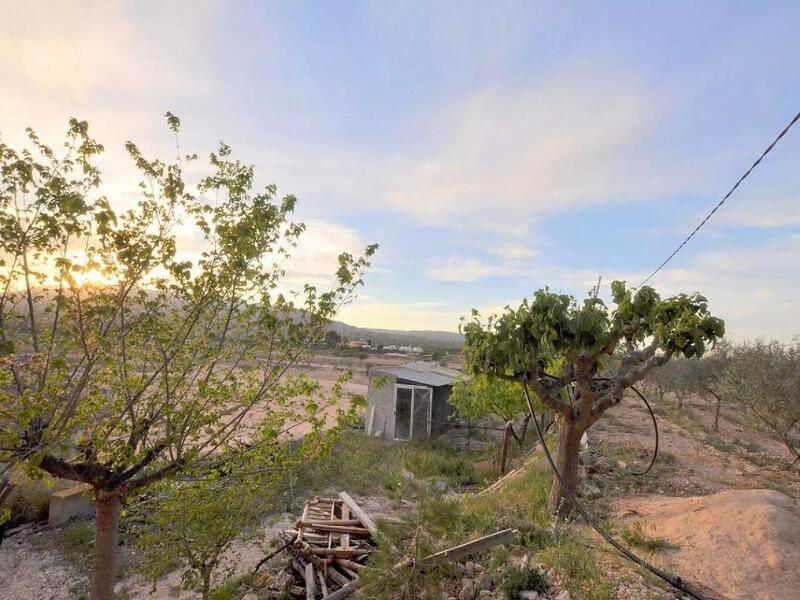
(516, 580)
(719, 442)
(228, 590)
(636, 535)
(75, 544)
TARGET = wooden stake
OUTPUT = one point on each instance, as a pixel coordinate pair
(311, 587)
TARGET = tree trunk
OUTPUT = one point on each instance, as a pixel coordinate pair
(205, 572)
(569, 445)
(105, 546)
(716, 409)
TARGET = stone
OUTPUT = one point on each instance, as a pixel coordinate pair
(590, 490)
(484, 582)
(529, 595)
(459, 570)
(440, 486)
(70, 503)
(564, 595)
(588, 460)
(468, 591)
(470, 568)
(485, 595)
(250, 596)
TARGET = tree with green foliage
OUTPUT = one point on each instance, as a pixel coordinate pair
(671, 378)
(764, 378)
(127, 356)
(483, 395)
(565, 352)
(189, 521)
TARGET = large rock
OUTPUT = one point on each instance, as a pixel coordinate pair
(741, 543)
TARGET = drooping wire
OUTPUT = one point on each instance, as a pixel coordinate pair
(655, 429)
(674, 580)
(721, 202)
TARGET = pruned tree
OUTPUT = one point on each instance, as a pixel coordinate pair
(672, 378)
(764, 378)
(125, 355)
(703, 376)
(560, 348)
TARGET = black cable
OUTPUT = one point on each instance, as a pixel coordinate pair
(655, 428)
(721, 202)
(652, 416)
(674, 580)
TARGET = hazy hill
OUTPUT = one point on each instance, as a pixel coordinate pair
(426, 339)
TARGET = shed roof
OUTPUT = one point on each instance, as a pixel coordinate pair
(420, 372)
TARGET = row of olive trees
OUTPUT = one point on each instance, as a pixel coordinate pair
(162, 365)
(761, 380)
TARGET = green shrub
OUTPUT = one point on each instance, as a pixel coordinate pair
(516, 580)
(30, 499)
(636, 535)
(75, 543)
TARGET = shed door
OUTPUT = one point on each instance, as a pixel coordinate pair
(402, 413)
(421, 423)
(412, 412)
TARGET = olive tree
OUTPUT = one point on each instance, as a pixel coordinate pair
(672, 378)
(136, 343)
(703, 376)
(559, 348)
(764, 378)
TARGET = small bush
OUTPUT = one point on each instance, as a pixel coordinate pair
(516, 580)
(720, 443)
(30, 499)
(75, 543)
(636, 535)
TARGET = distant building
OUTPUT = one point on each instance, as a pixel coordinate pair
(358, 344)
(410, 401)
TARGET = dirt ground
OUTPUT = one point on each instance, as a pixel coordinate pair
(735, 522)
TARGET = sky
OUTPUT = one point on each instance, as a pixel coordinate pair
(490, 149)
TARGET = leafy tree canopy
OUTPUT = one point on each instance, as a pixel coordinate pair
(568, 352)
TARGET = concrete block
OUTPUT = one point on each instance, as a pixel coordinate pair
(67, 504)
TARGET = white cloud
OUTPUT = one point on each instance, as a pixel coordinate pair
(315, 259)
(764, 211)
(457, 268)
(365, 312)
(750, 287)
(513, 251)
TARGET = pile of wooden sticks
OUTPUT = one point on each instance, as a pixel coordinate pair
(329, 546)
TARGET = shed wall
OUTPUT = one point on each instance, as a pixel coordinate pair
(380, 403)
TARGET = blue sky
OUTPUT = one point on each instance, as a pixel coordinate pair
(489, 150)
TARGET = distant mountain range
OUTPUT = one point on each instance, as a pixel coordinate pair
(444, 340)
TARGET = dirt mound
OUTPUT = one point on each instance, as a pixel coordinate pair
(742, 543)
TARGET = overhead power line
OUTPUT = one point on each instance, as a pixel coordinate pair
(721, 202)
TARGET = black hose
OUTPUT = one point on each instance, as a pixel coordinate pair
(655, 429)
(674, 580)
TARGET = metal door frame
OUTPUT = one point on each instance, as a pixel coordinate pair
(412, 387)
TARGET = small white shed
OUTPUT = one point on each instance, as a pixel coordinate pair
(409, 402)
